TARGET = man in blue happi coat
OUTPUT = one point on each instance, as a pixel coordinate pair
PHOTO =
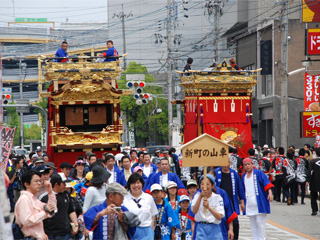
(164, 176)
(106, 220)
(62, 55)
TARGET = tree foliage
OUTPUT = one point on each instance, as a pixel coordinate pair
(144, 118)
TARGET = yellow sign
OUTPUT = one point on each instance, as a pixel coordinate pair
(205, 150)
(310, 11)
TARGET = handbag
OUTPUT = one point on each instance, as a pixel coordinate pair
(16, 231)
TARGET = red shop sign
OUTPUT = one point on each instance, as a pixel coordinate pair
(310, 124)
(313, 42)
(317, 145)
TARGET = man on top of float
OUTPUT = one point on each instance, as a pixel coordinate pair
(110, 53)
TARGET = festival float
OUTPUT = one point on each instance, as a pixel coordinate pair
(83, 107)
(218, 102)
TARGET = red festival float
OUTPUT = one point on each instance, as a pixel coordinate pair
(83, 108)
(218, 102)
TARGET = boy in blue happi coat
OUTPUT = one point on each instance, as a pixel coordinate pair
(183, 231)
(165, 221)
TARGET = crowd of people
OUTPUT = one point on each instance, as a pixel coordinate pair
(141, 196)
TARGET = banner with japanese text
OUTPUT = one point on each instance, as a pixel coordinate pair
(7, 135)
(311, 93)
(310, 124)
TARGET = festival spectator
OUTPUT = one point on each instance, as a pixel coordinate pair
(65, 168)
(165, 221)
(102, 219)
(58, 227)
(29, 211)
(44, 170)
(79, 173)
(96, 193)
(141, 204)
(15, 177)
(52, 167)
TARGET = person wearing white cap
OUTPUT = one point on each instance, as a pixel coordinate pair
(165, 221)
(173, 198)
(208, 221)
(141, 204)
(184, 229)
(192, 187)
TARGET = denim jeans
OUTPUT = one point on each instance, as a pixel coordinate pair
(61, 237)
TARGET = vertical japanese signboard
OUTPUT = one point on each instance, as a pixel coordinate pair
(311, 93)
(313, 42)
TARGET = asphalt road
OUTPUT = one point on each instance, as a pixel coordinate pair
(292, 222)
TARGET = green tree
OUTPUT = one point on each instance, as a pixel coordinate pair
(145, 123)
(32, 133)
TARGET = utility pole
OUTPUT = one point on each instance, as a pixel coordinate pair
(122, 16)
(284, 73)
(21, 97)
(169, 48)
(216, 29)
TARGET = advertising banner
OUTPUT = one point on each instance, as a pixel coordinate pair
(310, 124)
(311, 93)
(7, 135)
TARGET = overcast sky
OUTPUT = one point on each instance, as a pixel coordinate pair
(59, 11)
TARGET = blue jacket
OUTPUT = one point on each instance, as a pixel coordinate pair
(262, 184)
(98, 230)
(61, 53)
(119, 176)
(237, 187)
(109, 53)
(171, 177)
(153, 168)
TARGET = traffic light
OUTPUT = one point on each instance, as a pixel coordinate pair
(6, 98)
(141, 98)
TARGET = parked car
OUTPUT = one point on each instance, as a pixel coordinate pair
(151, 149)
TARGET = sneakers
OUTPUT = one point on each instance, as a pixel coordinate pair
(314, 213)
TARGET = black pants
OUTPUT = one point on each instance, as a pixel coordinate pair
(236, 229)
(279, 184)
(291, 187)
(314, 197)
(303, 190)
